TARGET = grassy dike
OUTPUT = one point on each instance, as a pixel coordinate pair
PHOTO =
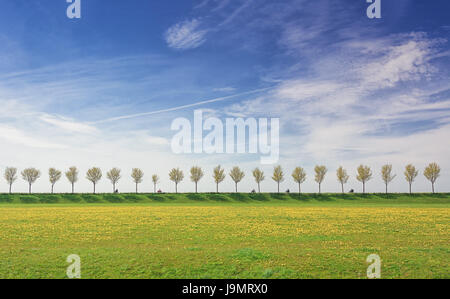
(226, 198)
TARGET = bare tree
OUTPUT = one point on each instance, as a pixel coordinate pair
(387, 175)
(299, 176)
(30, 175)
(10, 176)
(278, 176)
(137, 175)
(342, 177)
(432, 172)
(114, 176)
(236, 175)
(410, 175)
(320, 171)
(176, 175)
(364, 175)
(219, 176)
(72, 176)
(155, 180)
(94, 175)
(258, 174)
(54, 176)
(196, 175)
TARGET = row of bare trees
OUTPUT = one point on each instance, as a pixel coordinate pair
(94, 175)
(364, 174)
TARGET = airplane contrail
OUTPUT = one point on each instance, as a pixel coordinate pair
(178, 107)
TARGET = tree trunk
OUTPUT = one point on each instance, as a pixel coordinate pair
(29, 188)
(94, 188)
(299, 188)
(114, 188)
(342, 187)
(217, 187)
(176, 188)
(364, 188)
(136, 188)
(410, 191)
(72, 188)
(10, 188)
(236, 187)
(52, 188)
(259, 188)
(154, 188)
(386, 188)
(432, 187)
(278, 187)
(319, 189)
(195, 187)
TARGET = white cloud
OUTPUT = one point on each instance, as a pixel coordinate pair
(16, 136)
(185, 35)
(68, 124)
(404, 62)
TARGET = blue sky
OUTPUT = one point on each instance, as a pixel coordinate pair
(347, 89)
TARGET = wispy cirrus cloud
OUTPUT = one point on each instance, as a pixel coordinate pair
(67, 124)
(225, 89)
(397, 58)
(185, 35)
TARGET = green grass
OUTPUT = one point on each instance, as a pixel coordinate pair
(227, 198)
(224, 235)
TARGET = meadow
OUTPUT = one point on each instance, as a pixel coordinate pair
(224, 235)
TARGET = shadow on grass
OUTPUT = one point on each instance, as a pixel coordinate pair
(259, 197)
(49, 198)
(322, 197)
(172, 197)
(135, 197)
(29, 199)
(431, 195)
(299, 196)
(156, 197)
(242, 197)
(92, 198)
(279, 196)
(72, 197)
(113, 198)
(217, 197)
(196, 197)
(6, 198)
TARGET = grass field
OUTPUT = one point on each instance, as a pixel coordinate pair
(225, 235)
